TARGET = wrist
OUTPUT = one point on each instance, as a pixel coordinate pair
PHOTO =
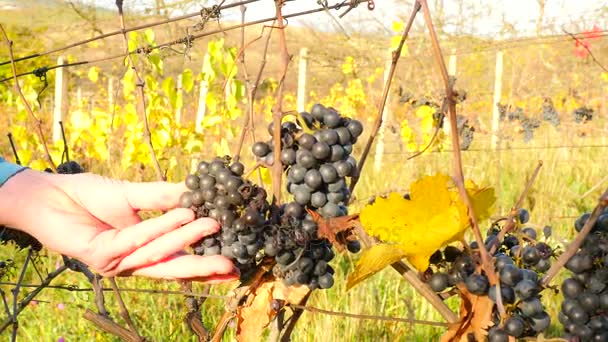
(19, 197)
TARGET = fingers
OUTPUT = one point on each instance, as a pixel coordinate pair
(127, 240)
(153, 195)
(191, 267)
(168, 244)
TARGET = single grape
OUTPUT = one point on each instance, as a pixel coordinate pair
(355, 128)
(329, 136)
(331, 119)
(305, 159)
(436, 258)
(507, 294)
(344, 136)
(207, 182)
(326, 281)
(353, 246)
(543, 265)
(515, 326)
(589, 301)
(580, 222)
(192, 182)
(510, 275)
(540, 322)
(318, 199)
(343, 168)
(306, 141)
(237, 168)
(530, 255)
(477, 284)
(337, 153)
(328, 173)
(523, 215)
(185, 200)
(531, 306)
(203, 168)
(526, 289)
(498, 335)
(450, 253)
(529, 233)
(579, 263)
(439, 282)
(313, 179)
(294, 209)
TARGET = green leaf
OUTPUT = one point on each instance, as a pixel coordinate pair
(133, 37)
(149, 36)
(168, 87)
(157, 62)
(187, 80)
(372, 261)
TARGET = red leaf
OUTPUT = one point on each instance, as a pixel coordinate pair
(328, 228)
(581, 49)
(594, 34)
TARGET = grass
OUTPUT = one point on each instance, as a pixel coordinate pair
(554, 200)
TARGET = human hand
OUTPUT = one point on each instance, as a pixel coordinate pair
(94, 219)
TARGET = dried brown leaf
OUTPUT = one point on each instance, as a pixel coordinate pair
(255, 315)
(475, 318)
(329, 228)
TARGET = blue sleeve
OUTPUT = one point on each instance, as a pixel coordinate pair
(8, 170)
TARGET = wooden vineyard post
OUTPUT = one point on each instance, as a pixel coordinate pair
(61, 99)
(386, 114)
(301, 98)
(496, 99)
(452, 72)
(178, 109)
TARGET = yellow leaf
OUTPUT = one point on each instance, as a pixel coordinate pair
(372, 261)
(395, 44)
(434, 217)
(425, 111)
(93, 74)
(398, 26)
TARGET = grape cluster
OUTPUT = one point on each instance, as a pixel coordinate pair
(584, 311)
(23, 239)
(316, 155)
(529, 125)
(519, 261)
(549, 113)
(465, 131)
(583, 114)
(218, 190)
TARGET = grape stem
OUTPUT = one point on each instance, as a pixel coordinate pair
(511, 221)
(458, 176)
(27, 106)
(277, 167)
(385, 91)
(578, 241)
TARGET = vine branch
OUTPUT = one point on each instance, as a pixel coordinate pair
(27, 106)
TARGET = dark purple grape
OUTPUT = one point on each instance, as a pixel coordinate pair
(294, 209)
(603, 300)
(317, 111)
(234, 198)
(601, 225)
(497, 335)
(436, 258)
(309, 227)
(510, 275)
(288, 156)
(301, 195)
(270, 249)
(207, 182)
(337, 153)
(328, 173)
(247, 239)
(197, 198)
(568, 304)
(326, 281)
(192, 182)
(578, 315)
(598, 323)
(320, 268)
(530, 255)
(313, 179)
(523, 215)
(571, 288)
(530, 275)
(455, 277)
(336, 186)
(450, 253)
(321, 150)
(336, 197)
(297, 173)
(502, 260)
(507, 294)
(331, 119)
(353, 246)
(185, 200)
(318, 199)
(203, 168)
(328, 136)
(344, 136)
(221, 202)
(529, 233)
(464, 264)
(543, 265)
(239, 250)
(510, 241)
(305, 159)
(580, 222)
(330, 210)
(305, 120)
(580, 263)
(215, 166)
(439, 282)
(306, 141)
(252, 217)
(515, 326)
(589, 301)
(540, 322)
(526, 289)
(348, 149)
(355, 128)
(582, 331)
(477, 284)
(531, 306)
(228, 237)
(343, 168)
(285, 258)
(237, 168)
(213, 250)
